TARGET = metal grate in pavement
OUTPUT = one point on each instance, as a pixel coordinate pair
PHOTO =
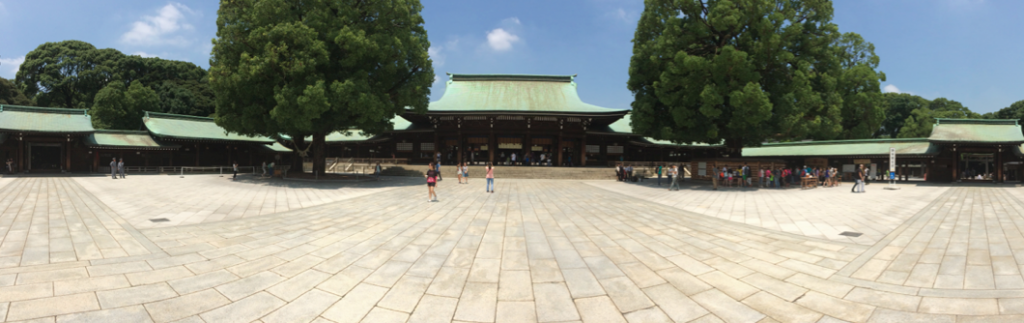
(851, 234)
(159, 220)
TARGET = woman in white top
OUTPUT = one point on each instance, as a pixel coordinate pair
(465, 172)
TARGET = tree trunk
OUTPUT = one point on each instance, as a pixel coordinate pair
(299, 143)
(734, 147)
(319, 146)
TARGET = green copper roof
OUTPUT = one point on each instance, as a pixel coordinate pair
(514, 93)
(193, 128)
(977, 131)
(863, 147)
(35, 119)
(121, 139)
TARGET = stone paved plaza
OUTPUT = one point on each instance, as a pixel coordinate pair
(85, 249)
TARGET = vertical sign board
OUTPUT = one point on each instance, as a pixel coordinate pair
(892, 162)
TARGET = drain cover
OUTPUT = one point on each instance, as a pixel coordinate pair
(851, 234)
(159, 220)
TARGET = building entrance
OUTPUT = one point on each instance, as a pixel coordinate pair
(977, 166)
(44, 156)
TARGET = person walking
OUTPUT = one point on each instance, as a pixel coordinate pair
(10, 170)
(439, 159)
(465, 172)
(714, 178)
(264, 169)
(657, 170)
(490, 178)
(377, 170)
(669, 172)
(234, 168)
(271, 168)
(862, 174)
(120, 168)
(432, 178)
(674, 178)
(777, 178)
(513, 159)
(458, 172)
(113, 168)
(856, 181)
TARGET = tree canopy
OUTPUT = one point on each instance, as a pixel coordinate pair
(312, 68)
(900, 107)
(10, 94)
(118, 107)
(921, 120)
(744, 71)
(71, 73)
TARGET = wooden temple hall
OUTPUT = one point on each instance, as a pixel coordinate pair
(489, 118)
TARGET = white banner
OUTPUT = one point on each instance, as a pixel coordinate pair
(892, 159)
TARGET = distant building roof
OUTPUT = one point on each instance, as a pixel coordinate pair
(850, 148)
(36, 119)
(537, 94)
(989, 131)
(277, 148)
(125, 139)
(183, 127)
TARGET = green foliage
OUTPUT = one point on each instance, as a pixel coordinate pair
(744, 71)
(10, 94)
(119, 108)
(71, 73)
(66, 74)
(900, 107)
(1014, 111)
(311, 68)
(921, 120)
(187, 97)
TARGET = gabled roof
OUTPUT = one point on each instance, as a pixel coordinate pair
(535, 94)
(850, 148)
(182, 127)
(988, 131)
(125, 139)
(36, 119)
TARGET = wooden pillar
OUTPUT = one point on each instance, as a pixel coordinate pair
(999, 165)
(583, 151)
(527, 147)
(559, 147)
(462, 147)
(95, 160)
(21, 155)
(437, 146)
(956, 166)
(67, 155)
(491, 146)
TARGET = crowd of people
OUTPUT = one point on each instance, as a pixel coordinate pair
(433, 176)
(744, 176)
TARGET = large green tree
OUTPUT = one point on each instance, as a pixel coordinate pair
(1014, 111)
(67, 74)
(744, 71)
(70, 74)
(118, 107)
(11, 94)
(900, 107)
(921, 120)
(313, 67)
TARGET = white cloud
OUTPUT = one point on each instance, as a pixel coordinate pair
(513, 20)
(159, 29)
(143, 54)
(9, 66)
(436, 55)
(891, 89)
(501, 40)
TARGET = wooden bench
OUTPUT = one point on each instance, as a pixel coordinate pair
(808, 182)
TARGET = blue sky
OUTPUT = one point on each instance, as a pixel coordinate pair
(965, 50)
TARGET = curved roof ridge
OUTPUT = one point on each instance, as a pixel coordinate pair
(56, 110)
(151, 114)
(510, 77)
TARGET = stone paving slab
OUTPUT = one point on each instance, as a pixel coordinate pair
(534, 251)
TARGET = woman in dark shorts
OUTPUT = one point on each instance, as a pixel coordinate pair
(432, 177)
